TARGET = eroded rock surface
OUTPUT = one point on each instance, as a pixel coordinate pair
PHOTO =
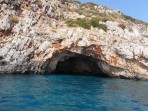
(33, 34)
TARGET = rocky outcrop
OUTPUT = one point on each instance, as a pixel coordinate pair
(34, 39)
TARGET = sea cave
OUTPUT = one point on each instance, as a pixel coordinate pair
(70, 63)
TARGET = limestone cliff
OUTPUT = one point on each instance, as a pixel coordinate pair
(37, 35)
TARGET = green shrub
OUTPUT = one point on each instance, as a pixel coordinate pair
(130, 29)
(15, 19)
(84, 23)
(103, 26)
(105, 17)
(123, 26)
(94, 22)
(129, 18)
(69, 1)
(91, 4)
(78, 11)
(134, 20)
(145, 36)
(77, 2)
(71, 23)
(78, 22)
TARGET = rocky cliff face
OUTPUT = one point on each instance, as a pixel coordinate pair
(35, 39)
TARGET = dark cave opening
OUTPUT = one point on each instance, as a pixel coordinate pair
(78, 64)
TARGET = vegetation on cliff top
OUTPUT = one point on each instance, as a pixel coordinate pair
(84, 23)
(134, 20)
(90, 11)
(145, 36)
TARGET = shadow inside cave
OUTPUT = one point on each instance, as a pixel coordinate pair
(69, 63)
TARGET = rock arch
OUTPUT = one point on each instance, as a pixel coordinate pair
(70, 63)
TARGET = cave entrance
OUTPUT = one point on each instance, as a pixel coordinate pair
(70, 63)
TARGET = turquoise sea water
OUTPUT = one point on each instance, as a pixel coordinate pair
(71, 93)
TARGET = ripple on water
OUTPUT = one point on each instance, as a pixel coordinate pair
(71, 93)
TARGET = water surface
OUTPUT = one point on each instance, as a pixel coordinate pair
(71, 93)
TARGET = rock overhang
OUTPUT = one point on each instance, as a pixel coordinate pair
(72, 63)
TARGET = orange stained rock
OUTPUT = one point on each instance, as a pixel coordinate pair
(113, 60)
(98, 51)
(55, 45)
(95, 50)
(2, 34)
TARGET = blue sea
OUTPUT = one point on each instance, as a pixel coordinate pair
(71, 93)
